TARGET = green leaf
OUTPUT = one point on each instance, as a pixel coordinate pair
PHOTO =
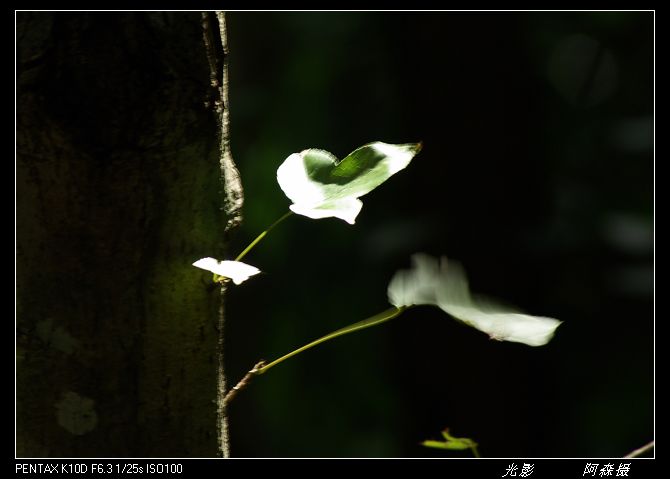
(443, 284)
(435, 444)
(453, 443)
(457, 443)
(320, 186)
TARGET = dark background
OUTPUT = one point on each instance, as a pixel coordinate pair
(536, 173)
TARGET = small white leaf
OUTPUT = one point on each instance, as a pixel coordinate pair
(444, 284)
(236, 270)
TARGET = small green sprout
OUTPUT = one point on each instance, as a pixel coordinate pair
(452, 443)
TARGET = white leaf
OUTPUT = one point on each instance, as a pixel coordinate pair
(346, 210)
(321, 186)
(444, 284)
(513, 327)
(417, 285)
(236, 270)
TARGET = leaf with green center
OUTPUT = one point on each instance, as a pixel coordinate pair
(444, 284)
(320, 186)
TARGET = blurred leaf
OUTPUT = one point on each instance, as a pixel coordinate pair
(444, 284)
(320, 186)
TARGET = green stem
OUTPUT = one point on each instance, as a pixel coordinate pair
(366, 323)
(475, 451)
(261, 236)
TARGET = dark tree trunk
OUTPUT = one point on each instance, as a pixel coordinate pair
(118, 192)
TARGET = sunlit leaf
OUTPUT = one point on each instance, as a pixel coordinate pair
(236, 270)
(443, 283)
(320, 186)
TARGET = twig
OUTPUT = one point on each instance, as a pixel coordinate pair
(638, 452)
(244, 382)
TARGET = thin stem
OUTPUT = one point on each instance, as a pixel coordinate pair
(475, 451)
(638, 452)
(261, 236)
(366, 323)
(261, 367)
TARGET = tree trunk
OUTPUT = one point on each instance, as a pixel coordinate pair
(118, 192)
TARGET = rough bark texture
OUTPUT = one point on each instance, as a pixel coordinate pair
(118, 193)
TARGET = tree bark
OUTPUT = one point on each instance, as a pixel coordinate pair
(118, 192)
